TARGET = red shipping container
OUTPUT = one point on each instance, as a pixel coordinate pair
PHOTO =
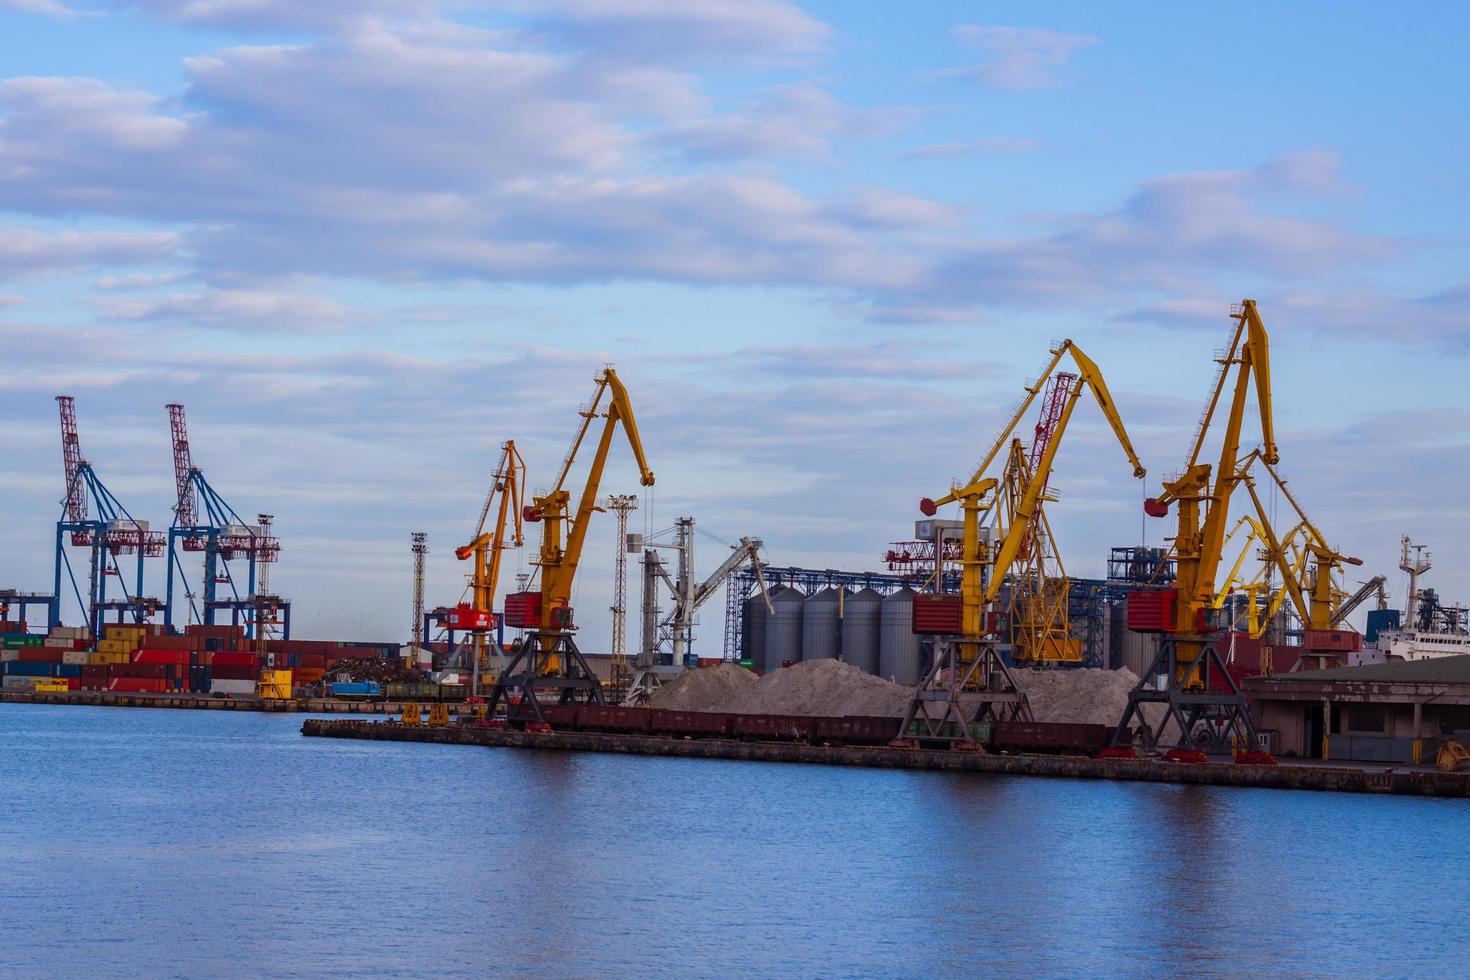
(151, 656)
(235, 673)
(233, 658)
(40, 655)
(172, 642)
(938, 614)
(146, 685)
(138, 670)
(218, 631)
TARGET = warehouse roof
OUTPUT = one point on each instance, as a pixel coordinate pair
(1437, 670)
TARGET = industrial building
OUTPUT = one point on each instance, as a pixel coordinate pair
(1389, 712)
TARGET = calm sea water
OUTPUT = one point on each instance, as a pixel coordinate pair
(186, 843)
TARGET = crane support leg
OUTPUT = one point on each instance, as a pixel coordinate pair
(962, 693)
(528, 674)
(1213, 718)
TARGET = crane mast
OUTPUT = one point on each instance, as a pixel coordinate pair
(548, 657)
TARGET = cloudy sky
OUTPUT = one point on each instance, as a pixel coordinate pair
(365, 241)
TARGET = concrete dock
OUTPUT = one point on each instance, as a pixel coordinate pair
(118, 699)
(1344, 779)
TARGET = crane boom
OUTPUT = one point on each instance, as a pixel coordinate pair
(71, 460)
(558, 563)
(186, 502)
(978, 495)
(1352, 602)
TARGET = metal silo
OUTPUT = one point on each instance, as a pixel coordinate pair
(819, 625)
(862, 614)
(754, 617)
(898, 647)
(783, 628)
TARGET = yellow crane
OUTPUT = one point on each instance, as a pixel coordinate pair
(968, 684)
(548, 657)
(486, 550)
(1202, 704)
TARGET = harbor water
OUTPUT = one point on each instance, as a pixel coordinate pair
(192, 843)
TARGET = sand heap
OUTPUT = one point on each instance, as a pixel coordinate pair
(832, 688)
(704, 689)
(821, 687)
(1083, 695)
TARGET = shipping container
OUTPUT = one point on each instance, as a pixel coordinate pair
(21, 668)
(137, 685)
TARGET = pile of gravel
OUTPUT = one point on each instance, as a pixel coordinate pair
(832, 688)
(703, 689)
(1082, 695)
(821, 687)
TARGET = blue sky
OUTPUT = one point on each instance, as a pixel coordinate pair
(825, 244)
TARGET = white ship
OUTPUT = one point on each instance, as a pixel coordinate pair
(1447, 635)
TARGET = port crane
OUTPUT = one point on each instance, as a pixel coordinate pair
(486, 550)
(676, 630)
(968, 683)
(111, 533)
(204, 522)
(1202, 704)
(547, 656)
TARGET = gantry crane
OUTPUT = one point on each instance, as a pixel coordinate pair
(676, 630)
(487, 548)
(547, 657)
(222, 536)
(968, 683)
(111, 533)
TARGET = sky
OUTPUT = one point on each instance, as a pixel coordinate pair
(825, 245)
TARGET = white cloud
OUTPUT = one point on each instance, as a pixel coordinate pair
(26, 252)
(1019, 57)
(234, 309)
(685, 31)
(791, 121)
(50, 8)
(285, 14)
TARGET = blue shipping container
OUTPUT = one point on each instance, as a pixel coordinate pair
(17, 669)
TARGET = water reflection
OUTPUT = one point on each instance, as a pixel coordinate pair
(145, 842)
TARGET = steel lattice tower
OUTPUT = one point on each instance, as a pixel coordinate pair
(622, 505)
(420, 549)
